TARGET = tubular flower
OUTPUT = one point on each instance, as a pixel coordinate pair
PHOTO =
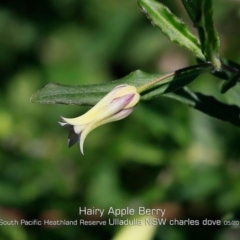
(116, 105)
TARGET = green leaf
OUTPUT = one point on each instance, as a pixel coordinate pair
(208, 105)
(182, 78)
(200, 11)
(88, 95)
(171, 26)
(230, 83)
(193, 8)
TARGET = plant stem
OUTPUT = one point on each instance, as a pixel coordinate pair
(171, 74)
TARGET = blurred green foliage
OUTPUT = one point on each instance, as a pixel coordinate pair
(163, 155)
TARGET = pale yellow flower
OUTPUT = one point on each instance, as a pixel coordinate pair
(116, 105)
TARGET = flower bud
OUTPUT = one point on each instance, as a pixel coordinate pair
(116, 105)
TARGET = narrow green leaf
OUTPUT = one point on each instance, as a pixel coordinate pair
(88, 95)
(208, 105)
(230, 83)
(171, 26)
(201, 13)
(193, 8)
(55, 93)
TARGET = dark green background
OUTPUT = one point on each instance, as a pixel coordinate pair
(164, 155)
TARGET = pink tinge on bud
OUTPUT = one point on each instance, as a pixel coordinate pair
(124, 100)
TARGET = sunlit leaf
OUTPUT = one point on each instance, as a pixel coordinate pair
(171, 26)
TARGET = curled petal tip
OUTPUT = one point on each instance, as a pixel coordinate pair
(62, 124)
(81, 148)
